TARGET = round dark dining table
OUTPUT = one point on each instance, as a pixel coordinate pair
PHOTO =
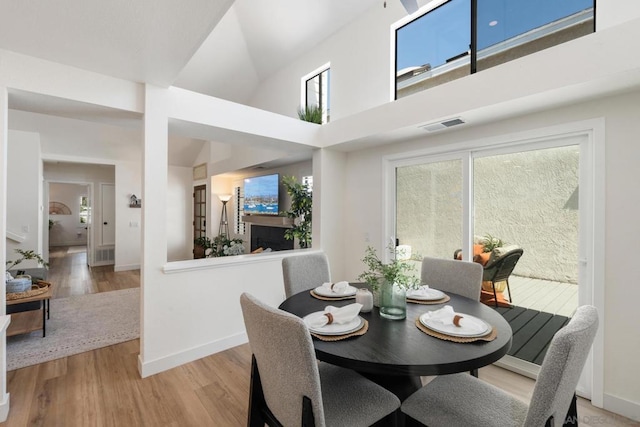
(395, 353)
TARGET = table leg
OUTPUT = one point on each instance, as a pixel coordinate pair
(48, 307)
(44, 318)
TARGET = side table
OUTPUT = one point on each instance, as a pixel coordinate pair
(25, 313)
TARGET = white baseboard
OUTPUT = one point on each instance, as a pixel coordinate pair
(621, 406)
(153, 367)
(4, 408)
(126, 267)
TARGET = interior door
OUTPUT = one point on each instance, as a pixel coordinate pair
(107, 208)
(89, 225)
(199, 211)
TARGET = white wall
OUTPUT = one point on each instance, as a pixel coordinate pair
(67, 230)
(614, 12)
(179, 213)
(24, 191)
(360, 67)
(364, 216)
(128, 181)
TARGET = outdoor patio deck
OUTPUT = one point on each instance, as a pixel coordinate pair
(544, 295)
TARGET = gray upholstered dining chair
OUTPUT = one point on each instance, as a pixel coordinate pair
(290, 388)
(463, 400)
(304, 272)
(460, 277)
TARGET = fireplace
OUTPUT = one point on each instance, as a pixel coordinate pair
(269, 237)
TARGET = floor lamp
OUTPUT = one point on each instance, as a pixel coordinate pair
(224, 221)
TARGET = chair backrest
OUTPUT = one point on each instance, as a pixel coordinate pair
(460, 277)
(501, 268)
(304, 272)
(282, 347)
(561, 368)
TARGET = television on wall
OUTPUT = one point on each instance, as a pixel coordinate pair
(261, 195)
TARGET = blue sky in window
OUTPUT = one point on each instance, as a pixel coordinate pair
(514, 17)
(445, 32)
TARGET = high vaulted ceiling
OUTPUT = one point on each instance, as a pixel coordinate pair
(227, 47)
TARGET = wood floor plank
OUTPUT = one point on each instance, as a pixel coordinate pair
(512, 313)
(521, 320)
(528, 331)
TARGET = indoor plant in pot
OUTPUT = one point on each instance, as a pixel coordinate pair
(21, 282)
(300, 212)
(26, 255)
(389, 282)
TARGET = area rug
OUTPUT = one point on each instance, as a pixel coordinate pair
(79, 324)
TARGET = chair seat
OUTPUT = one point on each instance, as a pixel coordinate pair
(351, 400)
(463, 400)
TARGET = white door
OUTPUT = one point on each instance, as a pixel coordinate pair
(108, 210)
(89, 224)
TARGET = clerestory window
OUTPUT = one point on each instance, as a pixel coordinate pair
(460, 37)
(316, 96)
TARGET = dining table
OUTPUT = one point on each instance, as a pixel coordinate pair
(396, 353)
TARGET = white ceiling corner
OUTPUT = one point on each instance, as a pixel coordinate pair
(135, 40)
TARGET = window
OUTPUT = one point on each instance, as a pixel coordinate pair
(238, 194)
(308, 181)
(316, 92)
(84, 210)
(461, 37)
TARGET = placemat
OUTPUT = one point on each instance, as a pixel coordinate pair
(438, 301)
(313, 294)
(40, 287)
(489, 337)
(357, 333)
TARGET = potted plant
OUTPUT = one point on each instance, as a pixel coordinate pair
(389, 282)
(489, 243)
(300, 212)
(26, 255)
(202, 244)
(222, 245)
(312, 114)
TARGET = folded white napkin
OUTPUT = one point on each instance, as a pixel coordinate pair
(423, 291)
(447, 316)
(336, 288)
(333, 315)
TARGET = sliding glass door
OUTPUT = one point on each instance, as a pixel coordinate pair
(536, 195)
(429, 207)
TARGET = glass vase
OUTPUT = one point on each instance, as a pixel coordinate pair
(393, 301)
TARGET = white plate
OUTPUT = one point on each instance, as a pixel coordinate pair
(431, 295)
(337, 328)
(479, 327)
(326, 292)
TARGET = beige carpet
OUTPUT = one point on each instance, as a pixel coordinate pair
(78, 324)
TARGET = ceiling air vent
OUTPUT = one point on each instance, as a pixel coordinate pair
(432, 127)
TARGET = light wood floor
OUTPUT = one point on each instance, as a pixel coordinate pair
(103, 388)
(69, 271)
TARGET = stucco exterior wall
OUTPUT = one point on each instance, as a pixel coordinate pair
(529, 199)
